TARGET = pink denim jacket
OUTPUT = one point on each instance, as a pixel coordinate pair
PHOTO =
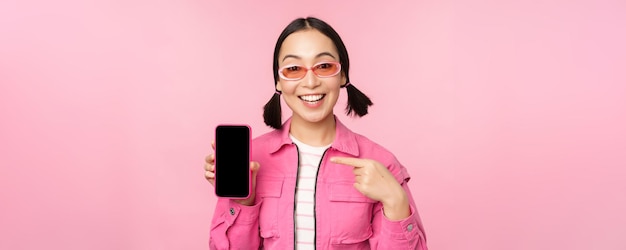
(344, 218)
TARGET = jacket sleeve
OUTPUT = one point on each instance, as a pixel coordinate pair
(407, 233)
(235, 226)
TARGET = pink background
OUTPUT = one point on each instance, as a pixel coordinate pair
(510, 116)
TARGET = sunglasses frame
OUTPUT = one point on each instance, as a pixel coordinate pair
(280, 71)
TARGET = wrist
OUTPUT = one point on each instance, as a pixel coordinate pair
(396, 207)
(247, 202)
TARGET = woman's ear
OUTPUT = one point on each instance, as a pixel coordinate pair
(278, 87)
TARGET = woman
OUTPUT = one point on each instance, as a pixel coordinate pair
(317, 185)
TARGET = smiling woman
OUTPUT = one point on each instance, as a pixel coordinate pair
(337, 188)
(508, 115)
(290, 47)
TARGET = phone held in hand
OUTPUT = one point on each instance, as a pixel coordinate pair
(232, 161)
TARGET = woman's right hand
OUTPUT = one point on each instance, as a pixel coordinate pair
(209, 174)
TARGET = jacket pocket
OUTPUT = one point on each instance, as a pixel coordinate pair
(270, 191)
(352, 218)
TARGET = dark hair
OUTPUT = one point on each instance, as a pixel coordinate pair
(357, 101)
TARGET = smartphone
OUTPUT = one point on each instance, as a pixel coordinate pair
(232, 161)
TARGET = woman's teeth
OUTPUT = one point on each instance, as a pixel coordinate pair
(311, 98)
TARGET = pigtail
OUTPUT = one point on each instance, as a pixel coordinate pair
(357, 101)
(272, 113)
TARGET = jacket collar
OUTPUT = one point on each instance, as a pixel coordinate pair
(345, 139)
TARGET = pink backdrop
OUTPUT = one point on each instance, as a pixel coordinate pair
(510, 116)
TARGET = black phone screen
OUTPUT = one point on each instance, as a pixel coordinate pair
(232, 160)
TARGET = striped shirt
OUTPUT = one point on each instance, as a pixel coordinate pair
(310, 158)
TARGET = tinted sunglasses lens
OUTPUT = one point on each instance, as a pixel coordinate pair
(293, 72)
(326, 69)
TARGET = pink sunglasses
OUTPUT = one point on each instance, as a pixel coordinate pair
(295, 72)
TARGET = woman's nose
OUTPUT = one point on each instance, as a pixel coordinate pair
(310, 79)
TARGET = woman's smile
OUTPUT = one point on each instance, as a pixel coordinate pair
(312, 98)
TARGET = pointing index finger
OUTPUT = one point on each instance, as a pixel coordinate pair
(350, 161)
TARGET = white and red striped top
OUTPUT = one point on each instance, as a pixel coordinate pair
(310, 158)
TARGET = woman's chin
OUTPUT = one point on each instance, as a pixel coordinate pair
(315, 117)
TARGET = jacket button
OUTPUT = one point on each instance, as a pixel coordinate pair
(409, 227)
(232, 211)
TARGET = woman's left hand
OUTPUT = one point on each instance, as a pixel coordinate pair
(375, 181)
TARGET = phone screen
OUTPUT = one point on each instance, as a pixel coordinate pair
(232, 160)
